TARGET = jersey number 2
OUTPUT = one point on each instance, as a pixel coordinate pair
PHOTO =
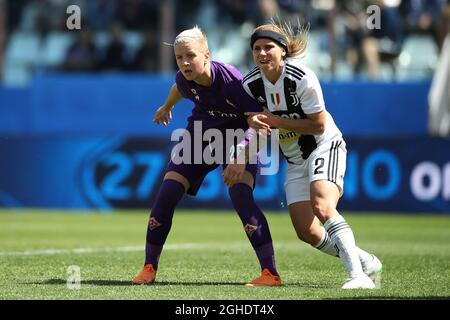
(319, 163)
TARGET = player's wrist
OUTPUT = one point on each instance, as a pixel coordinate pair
(168, 107)
(274, 121)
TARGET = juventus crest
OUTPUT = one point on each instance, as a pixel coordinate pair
(295, 101)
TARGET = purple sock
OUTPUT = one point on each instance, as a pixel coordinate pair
(266, 257)
(255, 225)
(170, 193)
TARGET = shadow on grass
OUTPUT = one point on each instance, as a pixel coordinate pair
(128, 283)
(169, 283)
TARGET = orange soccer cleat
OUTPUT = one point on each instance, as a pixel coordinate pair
(146, 276)
(266, 279)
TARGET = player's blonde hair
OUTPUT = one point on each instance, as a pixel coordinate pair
(296, 40)
(194, 34)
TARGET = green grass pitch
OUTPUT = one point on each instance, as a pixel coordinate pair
(207, 256)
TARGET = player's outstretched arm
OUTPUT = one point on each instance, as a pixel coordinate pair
(164, 113)
(314, 124)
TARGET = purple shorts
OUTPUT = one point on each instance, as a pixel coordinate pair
(196, 173)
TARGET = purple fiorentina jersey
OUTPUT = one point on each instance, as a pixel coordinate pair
(222, 105)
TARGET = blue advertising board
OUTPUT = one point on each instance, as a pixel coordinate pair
(396, 174)
(125, 104)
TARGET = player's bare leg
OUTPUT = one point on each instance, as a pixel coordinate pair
(306, 224)
(310, 230)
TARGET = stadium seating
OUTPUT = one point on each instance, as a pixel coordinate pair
(418, 58)
(54, 48)
(27, 53)
(317, 57)
(133, 40)
(20, 58)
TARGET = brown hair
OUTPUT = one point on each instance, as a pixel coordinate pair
(296, 41)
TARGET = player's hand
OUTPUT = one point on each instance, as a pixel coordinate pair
(256, 122)
(233, 174)
(261, 120)
(163, 115)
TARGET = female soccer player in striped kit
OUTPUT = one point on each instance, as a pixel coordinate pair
(220, 102)
(311, 143)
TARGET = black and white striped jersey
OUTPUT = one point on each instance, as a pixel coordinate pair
(296, 94)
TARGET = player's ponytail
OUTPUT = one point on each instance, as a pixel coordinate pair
(296, 39)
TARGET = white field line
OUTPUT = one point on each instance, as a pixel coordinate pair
(203, 246)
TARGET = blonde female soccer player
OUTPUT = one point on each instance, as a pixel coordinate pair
(312, 144)
(219, 102)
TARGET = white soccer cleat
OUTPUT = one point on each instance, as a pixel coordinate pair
(374, 270)
(359, 282)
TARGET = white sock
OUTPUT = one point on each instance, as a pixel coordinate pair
(364, 257)
(341, 234)
(327, 245)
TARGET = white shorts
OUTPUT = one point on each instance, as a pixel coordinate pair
(327, 162)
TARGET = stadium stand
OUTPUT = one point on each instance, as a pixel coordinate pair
(418, 58)
(35, 44)
(439, 96)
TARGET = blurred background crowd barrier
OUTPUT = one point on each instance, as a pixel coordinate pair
(76, 105)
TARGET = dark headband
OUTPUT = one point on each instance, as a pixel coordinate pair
(269, 34)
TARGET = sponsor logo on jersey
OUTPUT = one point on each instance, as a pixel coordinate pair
(287, 136)
(275, 98)
(216, 113)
